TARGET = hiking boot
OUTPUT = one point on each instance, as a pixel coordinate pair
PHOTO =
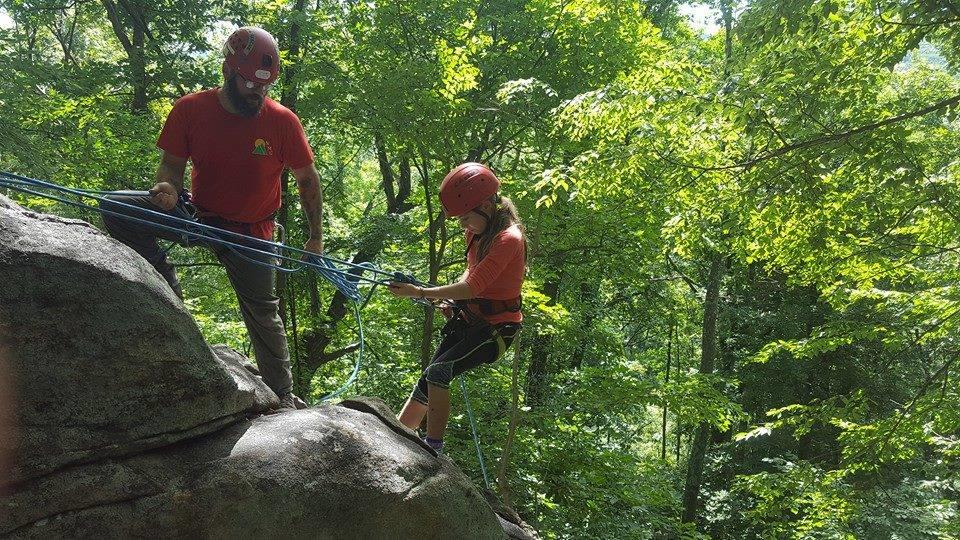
(287, 402)
(291, 401)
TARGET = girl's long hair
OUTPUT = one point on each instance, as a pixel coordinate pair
(504, 215)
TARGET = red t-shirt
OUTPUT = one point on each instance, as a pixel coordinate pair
(499, 275)
(237, 160)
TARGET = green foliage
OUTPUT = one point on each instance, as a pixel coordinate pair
(816, 160)
(797, 500)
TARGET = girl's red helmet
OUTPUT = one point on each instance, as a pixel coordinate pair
(466, 187)
(253, 53)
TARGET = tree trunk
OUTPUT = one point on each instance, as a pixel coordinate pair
(138, 67)
(679, 426)
(283, 285)
(437, 233)
(691, 491)
(288, 99)
(589, 291)
(537, 371)
(701, 438)
(726, 12)
(502, 482)
(666, 380)
(135, 13)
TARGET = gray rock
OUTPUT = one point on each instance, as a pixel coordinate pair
(326, 472)
(381, 410)
(514, 531)
(107, 360)
(241, 368)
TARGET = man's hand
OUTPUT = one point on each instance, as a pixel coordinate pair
(164, 195)
(314, 245)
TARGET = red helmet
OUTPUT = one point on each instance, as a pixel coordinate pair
(252, 52)
(466, 187)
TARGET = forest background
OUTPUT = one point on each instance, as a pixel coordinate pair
(742, 306)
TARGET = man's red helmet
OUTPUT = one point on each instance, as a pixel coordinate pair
(253, 53)
(466, 187)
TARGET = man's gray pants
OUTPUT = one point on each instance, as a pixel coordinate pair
(252, 282)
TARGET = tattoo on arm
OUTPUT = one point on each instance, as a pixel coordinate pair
(311, 199)
(171, 170)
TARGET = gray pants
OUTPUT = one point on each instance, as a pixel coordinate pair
(253, 283)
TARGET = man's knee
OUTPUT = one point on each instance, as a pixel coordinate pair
(117, 211)
(264, 313)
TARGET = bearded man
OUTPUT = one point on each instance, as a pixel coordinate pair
(239, 142)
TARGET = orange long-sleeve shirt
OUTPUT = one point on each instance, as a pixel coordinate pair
(499, 275)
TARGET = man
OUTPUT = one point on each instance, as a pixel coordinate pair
(239, 142)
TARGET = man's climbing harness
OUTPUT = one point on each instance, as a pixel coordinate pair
(345, 276)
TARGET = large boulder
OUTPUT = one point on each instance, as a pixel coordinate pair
(325, 472)
(105, 357)
(131, 425)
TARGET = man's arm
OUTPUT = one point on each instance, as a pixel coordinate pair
(166, 191)
(311, 200)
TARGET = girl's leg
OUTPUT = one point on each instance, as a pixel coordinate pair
(439, 411)
(415, 409)
(478, 345)
(412, 413)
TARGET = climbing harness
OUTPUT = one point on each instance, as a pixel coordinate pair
(489, 306)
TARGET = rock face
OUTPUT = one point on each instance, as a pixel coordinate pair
(327, 472)
(131, 425)
(106, 358)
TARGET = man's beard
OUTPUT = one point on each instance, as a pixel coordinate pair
(248, 106)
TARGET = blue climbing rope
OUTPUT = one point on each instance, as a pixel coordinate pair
(343, 275)
(473, 427)
(356, 366)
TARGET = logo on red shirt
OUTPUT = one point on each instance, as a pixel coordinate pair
(262, 148)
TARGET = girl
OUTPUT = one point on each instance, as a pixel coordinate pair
(486, 317)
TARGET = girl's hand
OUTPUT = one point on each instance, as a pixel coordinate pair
(405, 290)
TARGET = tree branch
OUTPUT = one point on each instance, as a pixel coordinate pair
(824, 139)
(694, 287)
(117, 25)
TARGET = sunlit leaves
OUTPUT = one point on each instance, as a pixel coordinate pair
(798, 500)
(699, 399)
(458, 75)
